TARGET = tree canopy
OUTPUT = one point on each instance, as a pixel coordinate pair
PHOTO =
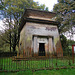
(65, 10)
(12, 12)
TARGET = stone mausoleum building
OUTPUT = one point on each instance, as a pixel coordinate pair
(39, 34)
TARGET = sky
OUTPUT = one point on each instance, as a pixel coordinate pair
(48, 3)
(1, 25)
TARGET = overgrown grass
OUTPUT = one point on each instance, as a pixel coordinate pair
(8, 64)
(43, 72)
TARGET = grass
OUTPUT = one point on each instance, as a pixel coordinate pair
(43, 72)
(8, 64)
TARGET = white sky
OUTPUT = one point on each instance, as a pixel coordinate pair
(1, 25)
(48, 3)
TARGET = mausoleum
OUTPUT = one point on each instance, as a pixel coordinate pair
(39, 34)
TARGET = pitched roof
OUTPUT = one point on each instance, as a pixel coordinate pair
(32, 15)
(38, 13)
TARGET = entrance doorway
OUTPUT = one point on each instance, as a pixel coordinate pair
(41, 49)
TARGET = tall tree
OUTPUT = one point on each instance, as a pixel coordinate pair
(65, 10)
(64, 43)
(13, 11)
(1, 8)
(1, 4)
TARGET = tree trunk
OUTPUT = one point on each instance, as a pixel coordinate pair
(10, 41)
(14, 44)
(14, 48)
(10, 32)
(14, 39)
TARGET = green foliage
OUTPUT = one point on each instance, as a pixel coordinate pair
(13, 11)
(65, 15)
(4, 41)
(1, 4)
(70, 43)
(66, 44)
(18, 6)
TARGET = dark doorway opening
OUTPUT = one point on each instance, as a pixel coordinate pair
(41, 49)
